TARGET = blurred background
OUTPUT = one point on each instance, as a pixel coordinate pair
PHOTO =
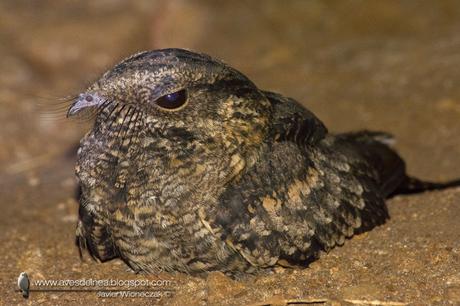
(378, 65)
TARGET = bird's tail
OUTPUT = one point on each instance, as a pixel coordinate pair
(376, 148)
(414, 185)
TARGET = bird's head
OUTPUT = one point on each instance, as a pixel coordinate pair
(171, 116)
(177, 94)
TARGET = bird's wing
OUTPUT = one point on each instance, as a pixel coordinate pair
(292, 122)
(296, 202)
(92, 233)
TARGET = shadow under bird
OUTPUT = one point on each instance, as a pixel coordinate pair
(190, 167)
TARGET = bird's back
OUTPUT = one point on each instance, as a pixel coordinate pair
(308, 192)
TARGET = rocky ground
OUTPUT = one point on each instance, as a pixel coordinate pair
(386, 65)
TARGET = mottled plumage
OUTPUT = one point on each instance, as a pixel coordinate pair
(190, 167)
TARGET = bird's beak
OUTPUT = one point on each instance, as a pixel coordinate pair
(83, 101)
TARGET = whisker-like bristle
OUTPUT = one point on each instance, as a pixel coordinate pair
(53, 109)
(115, 112)
(57, 110)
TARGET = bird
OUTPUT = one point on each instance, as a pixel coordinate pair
(189, 167)
(24, 284)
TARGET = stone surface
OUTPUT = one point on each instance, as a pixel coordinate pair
(382, 65)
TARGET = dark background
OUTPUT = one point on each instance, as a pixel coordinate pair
(379, 65)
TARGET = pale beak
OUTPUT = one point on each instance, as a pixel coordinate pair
(83, 101)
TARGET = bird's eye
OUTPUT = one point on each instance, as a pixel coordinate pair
(173, 100)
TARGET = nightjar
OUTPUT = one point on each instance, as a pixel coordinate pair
(190, 167)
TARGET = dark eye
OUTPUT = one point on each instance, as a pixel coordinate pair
(173, 100)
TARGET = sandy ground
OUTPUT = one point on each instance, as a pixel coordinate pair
(386, 65)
